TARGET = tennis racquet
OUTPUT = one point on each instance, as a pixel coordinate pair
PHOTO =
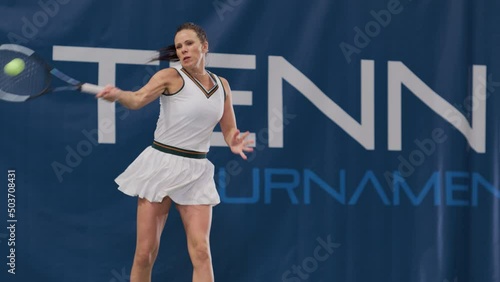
(36, 78)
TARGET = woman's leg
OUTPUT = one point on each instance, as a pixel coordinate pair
(197, 220)
(151, 218)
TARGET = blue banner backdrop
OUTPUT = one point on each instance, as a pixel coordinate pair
(376, 129)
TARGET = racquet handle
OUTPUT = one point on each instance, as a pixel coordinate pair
(91, 88)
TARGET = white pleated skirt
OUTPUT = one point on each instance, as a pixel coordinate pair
(154, 175)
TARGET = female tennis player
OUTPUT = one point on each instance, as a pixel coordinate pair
(174, 168)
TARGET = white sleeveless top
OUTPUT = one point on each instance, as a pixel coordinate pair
(188, 117)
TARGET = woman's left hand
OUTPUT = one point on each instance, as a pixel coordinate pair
(239, 145)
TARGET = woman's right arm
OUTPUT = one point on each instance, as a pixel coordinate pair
(162, 81)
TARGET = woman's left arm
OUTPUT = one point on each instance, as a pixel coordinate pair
(236, 143)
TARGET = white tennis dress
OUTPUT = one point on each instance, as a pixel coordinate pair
(176, 165)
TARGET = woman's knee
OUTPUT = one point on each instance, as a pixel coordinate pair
(145, 257)
(200, 251)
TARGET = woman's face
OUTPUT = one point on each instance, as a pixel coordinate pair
(190, 50)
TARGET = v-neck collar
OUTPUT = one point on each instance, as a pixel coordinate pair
(207, 93)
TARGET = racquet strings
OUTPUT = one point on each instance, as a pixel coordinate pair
(34, 80)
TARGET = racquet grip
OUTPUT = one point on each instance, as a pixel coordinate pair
(91, 88)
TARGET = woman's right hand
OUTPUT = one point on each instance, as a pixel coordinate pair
(109, 93)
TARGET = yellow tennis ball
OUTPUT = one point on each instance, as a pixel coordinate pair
(14, 67)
